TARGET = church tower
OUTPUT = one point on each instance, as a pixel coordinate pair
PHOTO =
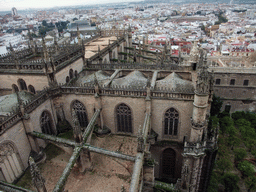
(194, 148)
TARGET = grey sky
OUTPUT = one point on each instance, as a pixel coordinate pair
(6, 5)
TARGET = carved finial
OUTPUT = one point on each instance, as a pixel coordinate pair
(37, 178)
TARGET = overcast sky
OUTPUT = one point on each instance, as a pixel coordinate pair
(6, 5)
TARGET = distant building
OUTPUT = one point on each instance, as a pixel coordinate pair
(14, 12)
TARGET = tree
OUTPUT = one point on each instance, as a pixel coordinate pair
(227, 125)
(223, 164)
(216, 105)
(43, 30)
(240, 154)
(44, 23)
(74, 19)
(230, 180)
(246, 168)
(250, 182)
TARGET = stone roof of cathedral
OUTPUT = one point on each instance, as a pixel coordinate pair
(175, 82)
(9, 103)
(100, 77)
(134, 79)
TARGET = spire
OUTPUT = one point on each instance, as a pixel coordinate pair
(46, 54)
(56, 44)
(11, 48)
(129, 28)
(78, 36)
(98, 50)
(37, 178)
(203, 78)
(76, 127)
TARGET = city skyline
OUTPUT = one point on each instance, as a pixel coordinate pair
(7, 5)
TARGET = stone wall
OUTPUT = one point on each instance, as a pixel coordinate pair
(62, 74)
(238, 96)
(159, 107)
(37, 81)
(17, 136)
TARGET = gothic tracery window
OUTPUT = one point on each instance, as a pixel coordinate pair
(81, 113)
(171, 122)
(46, 123)
(124, 118)
(10, 165)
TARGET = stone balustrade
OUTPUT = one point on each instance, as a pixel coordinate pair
(113, 66)
(9, 121)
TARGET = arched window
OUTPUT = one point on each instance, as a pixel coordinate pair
(22, 84)
(10, 164)
(124, 118)
(76, 74)
(71, 74)
(46, 123)
(171, 122)
(15, 88)
(81, 113)
(31, 89)
(67, 79)
(168, 163)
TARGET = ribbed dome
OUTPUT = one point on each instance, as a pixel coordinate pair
(100, 76)
(135, 78)
(175, 82)
(8, 103)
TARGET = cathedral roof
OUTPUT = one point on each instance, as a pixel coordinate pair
(134, 79)
(100, 76)
(175, 82)
(8, 103)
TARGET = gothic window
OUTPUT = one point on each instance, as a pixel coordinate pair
(22, 84)
(217, 82)
(10, 164)
(31, 89)
(171, 122)
(15, 88)
(168, 163)
(46, 123)
(81, 113)
(124, 118)
(71, 74)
